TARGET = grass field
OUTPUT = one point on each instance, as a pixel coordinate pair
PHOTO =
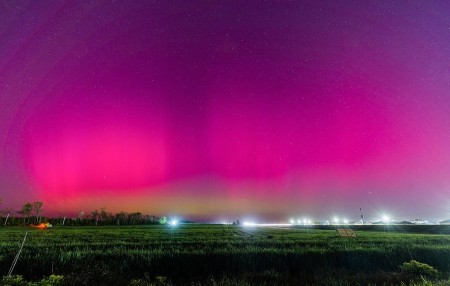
(208, 254)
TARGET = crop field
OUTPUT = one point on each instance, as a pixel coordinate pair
(217, 254)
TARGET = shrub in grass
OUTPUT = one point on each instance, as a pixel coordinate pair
(14, 280)
(18, 280)
(52, 280)
(415, 270)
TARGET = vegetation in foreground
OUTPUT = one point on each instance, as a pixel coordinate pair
(223, 255)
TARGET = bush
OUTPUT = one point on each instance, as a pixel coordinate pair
(17, 280)
(414, 270)
(52, 280)
(14, 280)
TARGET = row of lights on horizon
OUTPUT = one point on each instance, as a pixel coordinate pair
(385, 218)
(335, 221)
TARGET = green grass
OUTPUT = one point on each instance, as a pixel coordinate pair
(187, 253)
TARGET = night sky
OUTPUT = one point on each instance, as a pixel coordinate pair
(218, 110)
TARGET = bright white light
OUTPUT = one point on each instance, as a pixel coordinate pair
(335, 220)
(291, 221)
(386, 218)
(299, 221)
(345, 221)
(173, 222)
(308, 222)
(246, 223)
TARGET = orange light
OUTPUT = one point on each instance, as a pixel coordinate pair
(40, 226)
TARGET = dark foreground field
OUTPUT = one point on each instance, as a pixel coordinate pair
(218, 254)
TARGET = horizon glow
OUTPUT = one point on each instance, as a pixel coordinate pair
(227, 109)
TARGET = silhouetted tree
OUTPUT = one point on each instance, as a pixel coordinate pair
(80, 217)
(103, 214)
(26, 211)
(95, 214)
(121, 217)
(37, 209)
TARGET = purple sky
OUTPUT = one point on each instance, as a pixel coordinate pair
(227, 109)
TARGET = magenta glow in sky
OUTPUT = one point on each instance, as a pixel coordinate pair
(227, 108)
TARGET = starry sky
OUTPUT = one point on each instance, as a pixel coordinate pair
(215, 110)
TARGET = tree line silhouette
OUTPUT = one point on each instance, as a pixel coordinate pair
(31, 213)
